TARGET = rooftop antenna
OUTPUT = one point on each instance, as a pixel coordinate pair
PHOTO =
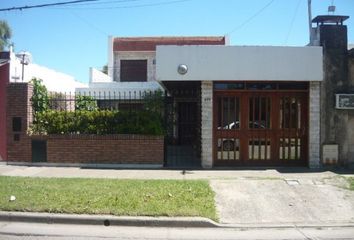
(331, 8)
(25, 59)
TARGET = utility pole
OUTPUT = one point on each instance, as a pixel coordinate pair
(310, 19)
(23, 66)
(25, 58)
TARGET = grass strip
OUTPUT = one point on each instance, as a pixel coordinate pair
(108, 196)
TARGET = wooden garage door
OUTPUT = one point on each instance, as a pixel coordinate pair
(260, 128)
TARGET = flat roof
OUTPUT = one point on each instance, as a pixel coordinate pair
(150, 43)
(330, 19)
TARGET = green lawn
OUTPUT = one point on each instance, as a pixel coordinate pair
(108, 196)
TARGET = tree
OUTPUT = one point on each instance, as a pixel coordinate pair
(5, 34)
(105, 69)
(40, 99)
(86, 103)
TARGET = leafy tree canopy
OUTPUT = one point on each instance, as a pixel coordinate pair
(5, 34)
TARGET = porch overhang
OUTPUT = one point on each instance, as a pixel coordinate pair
(239, 63)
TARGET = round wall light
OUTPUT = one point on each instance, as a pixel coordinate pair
(182, 69)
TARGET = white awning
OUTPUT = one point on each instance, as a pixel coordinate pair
(239, 63)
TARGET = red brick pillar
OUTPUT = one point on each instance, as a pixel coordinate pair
(18, 119)
(4, 80)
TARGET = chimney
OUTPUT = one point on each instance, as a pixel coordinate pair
(330, 32)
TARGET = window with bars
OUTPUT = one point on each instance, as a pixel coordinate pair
(229, 113)
(259, 113)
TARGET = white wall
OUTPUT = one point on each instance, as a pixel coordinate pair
(118, 90)
(53, 80)
(110, 59)
(249, 63)
(98, 76)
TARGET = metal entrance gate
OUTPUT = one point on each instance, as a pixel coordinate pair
(261, 127)
(182, 115)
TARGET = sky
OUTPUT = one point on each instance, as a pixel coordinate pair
(72, 38)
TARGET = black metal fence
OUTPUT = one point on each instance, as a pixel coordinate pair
(128, 100)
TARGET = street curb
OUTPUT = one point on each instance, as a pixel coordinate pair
(139, 221)
(107, 220)
(289, 225)
(94, 166)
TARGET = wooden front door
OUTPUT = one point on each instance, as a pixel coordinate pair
(260, 128)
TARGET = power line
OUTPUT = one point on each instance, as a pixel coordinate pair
(45, 5)
(251, 18)
(106, 2)
(90, 24)
(292, 21)
(129, 6)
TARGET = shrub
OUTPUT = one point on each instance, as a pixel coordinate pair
(98, 122)
(88, 119)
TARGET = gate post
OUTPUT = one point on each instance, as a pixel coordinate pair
(18, 119)
(314, 125)
(207, 124)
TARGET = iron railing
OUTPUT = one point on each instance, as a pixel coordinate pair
(110, 100)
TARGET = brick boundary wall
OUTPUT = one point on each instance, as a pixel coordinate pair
(74, 148)
(105, 149)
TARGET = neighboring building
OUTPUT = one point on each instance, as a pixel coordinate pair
(336, 90)
(12, 70)
(54, 81)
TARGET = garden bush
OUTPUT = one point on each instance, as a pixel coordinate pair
(51, 117)
(98, 122)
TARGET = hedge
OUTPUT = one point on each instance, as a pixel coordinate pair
(97, 122)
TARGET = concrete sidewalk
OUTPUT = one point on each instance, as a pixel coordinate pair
(78, 172)
(245, 198)
(281, 202)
